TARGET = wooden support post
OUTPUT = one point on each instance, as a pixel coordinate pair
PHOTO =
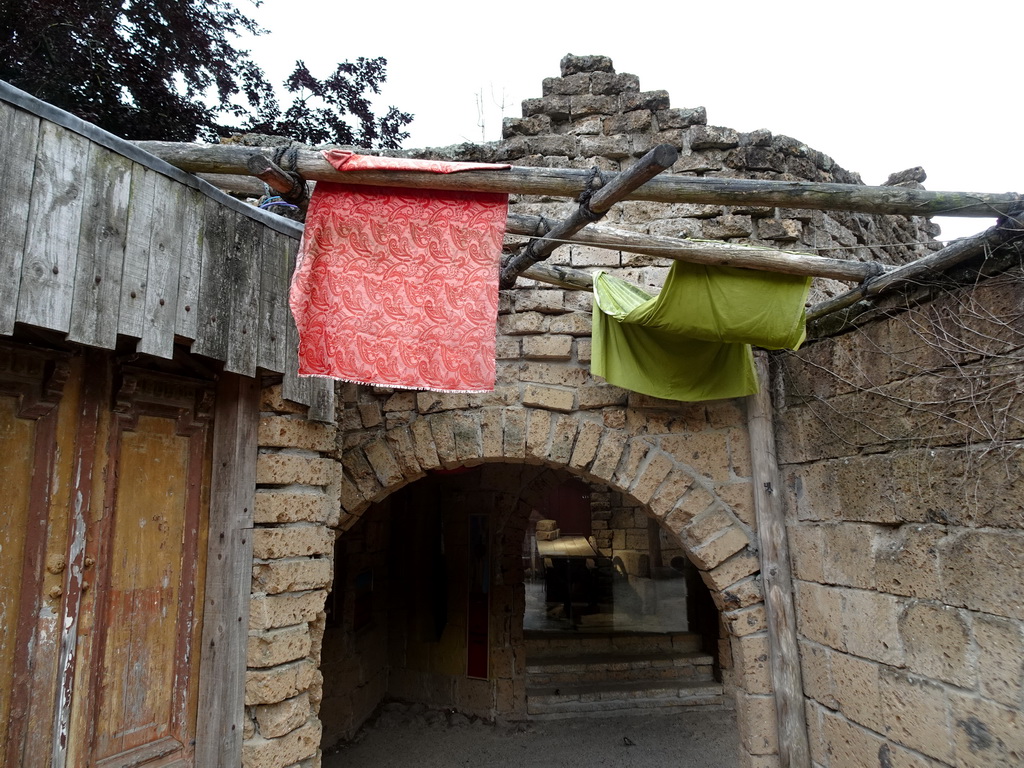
(228, 574)
(776, 575)
(1008, 229)
(649, 166)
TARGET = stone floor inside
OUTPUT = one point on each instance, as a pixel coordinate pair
(699, 731)
(412, 735)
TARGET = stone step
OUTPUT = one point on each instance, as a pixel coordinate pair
(609, 699)
(618, 667)
(549, 644)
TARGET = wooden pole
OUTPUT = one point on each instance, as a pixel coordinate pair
(1012, 228)
(696, 251)
(703, 251)
(563, 182)
(730, 254)
(649, 166)
(776, 575)
(564, 277)
(234, 183)
(293, 190)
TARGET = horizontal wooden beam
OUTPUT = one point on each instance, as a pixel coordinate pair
(677, 249)
(235, 183)
(566, 182)
(563, 277)
(1007, 230)
(703, 251)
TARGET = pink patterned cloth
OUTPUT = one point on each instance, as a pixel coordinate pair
(344, 160)
(399, 287)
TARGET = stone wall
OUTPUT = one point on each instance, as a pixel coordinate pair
(593, 117)
(686, 466)
(901, 441)
(295, 513)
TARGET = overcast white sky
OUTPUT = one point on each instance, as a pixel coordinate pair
(879, 86)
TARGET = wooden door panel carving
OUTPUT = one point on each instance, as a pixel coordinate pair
(31, 386)
(142, 616)
(16, 469)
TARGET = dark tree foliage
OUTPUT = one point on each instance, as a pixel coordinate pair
(167, 69)
(317, 113)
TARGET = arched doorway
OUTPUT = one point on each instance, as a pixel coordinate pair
(432, 588)
(687, 467)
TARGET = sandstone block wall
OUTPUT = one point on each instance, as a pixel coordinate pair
(296, 511)
(685, 465)
(593, 117)
(901, 444)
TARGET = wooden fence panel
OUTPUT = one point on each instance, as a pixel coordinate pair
(295, 388)
(193, 215)
(212, 322)
(278, 258)
(19, 133)
(55, 217)
(321, 406)
(97, 290)
(316, 392)
(242, 299)
(141, 220)
(164, 266)
(104, 243)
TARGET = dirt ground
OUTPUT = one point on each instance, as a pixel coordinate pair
(405, 735)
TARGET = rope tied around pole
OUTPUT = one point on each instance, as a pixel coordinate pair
(877, 269)
(287, 159)
(589, 188)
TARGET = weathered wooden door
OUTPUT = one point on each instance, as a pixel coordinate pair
(111, 525)
(140, 659)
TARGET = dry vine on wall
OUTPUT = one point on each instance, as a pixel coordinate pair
(936, 375)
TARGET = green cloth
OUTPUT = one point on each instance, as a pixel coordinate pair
(693, 340)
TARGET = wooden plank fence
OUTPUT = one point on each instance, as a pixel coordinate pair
(105, 243)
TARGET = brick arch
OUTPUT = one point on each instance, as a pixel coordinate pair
(687, 482)
(695, 482)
